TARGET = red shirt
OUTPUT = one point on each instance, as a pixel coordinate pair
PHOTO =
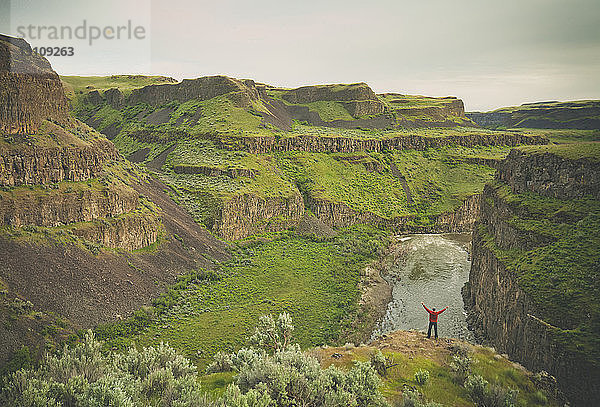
(433, 314)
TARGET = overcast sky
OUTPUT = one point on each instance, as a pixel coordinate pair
(488, 53)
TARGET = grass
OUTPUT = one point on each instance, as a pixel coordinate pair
(125, 83)
(330, 110)
(316, 281)
(321, 176)
(566, 136)
(442, 386)
(537, 106)
(52, 135)
(574, 151)
(376, 134)
(438, 181)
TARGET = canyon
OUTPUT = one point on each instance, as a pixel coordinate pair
(533, 280)
(238, 198)
(84, 236)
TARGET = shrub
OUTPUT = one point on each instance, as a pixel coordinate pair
(461, 367)
(486, 395)
(81, 375)
(539, 398)
(289, 377)
(222, 363)
(378, 361)
(421, 377)
(412, 398)
(273, 335)
(476, 385)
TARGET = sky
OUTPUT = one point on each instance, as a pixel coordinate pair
(488, 53)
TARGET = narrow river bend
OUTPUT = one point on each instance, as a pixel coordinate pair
(434, 271)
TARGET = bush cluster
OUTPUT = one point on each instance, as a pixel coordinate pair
(277, 373)
(83, 376)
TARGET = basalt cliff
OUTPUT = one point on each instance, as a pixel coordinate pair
(533, 287)
(578, 114)
(85, 237)
(227, 148)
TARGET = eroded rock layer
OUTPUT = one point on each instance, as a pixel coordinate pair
(318, 144)
(533, 279)
(30, 91)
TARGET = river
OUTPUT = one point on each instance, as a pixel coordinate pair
(434, 271)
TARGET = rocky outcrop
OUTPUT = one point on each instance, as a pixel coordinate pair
(26, 165)
(496, 212)
(460, 219)
(214, 171)
(357, 98)
(203, 88)
(31, 91)
(338, 214)
(248, 214)
(56, 207)
(339, 144)
(131, 231)
(115, 98)
(451, 107)
(490, 120)
(579, 114)
(550, 175)
(49, 162)
(501, 311)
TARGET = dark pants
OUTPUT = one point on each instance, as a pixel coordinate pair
(432, 324)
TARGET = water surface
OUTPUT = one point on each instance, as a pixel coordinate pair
(434, 271)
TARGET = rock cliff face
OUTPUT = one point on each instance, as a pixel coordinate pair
(357, 98)
(319, 144)
(203, 88)
(337, 214)
(452, 107)
(31, 91)
(550, 175)
(65, 196)
(214, 171)
(56, 207)
(128, 232)
(501, 309)
(579, 114)
(247, 214)
(25, 165)
(491, 120)
(42, 148)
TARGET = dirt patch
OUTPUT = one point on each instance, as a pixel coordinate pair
(396, 173)
(159, 116)
(86, 289)
(160, 159)
(139, 155)
(410, 343)
(311, 225)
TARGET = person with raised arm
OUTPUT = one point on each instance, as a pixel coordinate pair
(433, 317)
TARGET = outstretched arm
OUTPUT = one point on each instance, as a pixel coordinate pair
(443, 310)
(427, 309)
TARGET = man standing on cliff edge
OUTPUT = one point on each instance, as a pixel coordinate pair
(433, 315)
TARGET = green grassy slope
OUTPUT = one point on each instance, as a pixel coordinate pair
(316, 281)
(75, 85)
